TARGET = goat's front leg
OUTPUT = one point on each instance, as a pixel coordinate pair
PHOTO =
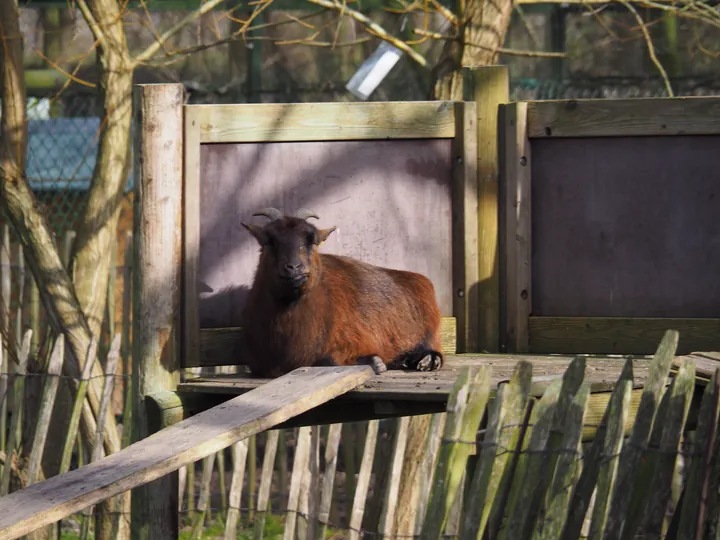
(374, 361)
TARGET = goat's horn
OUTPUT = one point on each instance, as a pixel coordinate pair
(271, 213)
(304, 213)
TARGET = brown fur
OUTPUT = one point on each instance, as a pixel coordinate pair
(346, 311)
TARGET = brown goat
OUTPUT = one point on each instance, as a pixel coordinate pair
(311, 309)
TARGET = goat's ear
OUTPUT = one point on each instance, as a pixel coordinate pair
(258, 232)
(322, 234)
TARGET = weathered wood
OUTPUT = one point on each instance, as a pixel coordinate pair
(515, 167)
(178, 445)
(436, 386)
(74, 423)
(46, 406)
(695, 498)
(529, 484)
(15, 435)
(666, 459)
(111, 366)
(203, 505)
(465, 410)
(191, 238)
(271, 445)
(222, 346)
(5, 288)
(358, 505)
(569, 462)
(618, 335)
(624, 117)
(606, 462)
(387, 515)
(323, 121)
(465, 227)
(489, 87)
(625, 486)
(427, 468)
(302, 455)
(492, 473)
(126, 346)
(331, 458)
(239, 457)
(157, 231)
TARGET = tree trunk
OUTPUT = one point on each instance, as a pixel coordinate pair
(478, 39)
(98, 228)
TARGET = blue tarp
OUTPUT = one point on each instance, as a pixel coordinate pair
(61, 153)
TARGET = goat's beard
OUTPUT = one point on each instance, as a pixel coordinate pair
(290, 291)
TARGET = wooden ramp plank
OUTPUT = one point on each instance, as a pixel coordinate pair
(181, 444)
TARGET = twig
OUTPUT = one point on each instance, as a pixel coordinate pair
(650, 46)
(156, 45)
(373, 28)
(500, 50)
(69, 75)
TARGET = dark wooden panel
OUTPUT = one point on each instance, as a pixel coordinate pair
(626, 227)
(617, 335)
(390, 200)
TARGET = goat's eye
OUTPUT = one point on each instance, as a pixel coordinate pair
(310, 239)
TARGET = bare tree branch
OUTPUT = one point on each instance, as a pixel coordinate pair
(373, 28)
(510, 52)
(650, 46)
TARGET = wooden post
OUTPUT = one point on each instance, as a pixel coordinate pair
(489, 87)
(157, 245)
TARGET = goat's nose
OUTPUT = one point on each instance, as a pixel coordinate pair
(293, 267)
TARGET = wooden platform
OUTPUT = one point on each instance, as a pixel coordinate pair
(397, 393)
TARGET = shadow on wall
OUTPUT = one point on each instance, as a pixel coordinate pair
(391, 202)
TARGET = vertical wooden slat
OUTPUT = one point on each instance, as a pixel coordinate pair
(465, 409)
(191, 238)
(302, 454)
(20, 265)
(491, 477)
(15, 435)
(515, 167)
(465, 227)
(46, 406)
(203, 506)
(239, 457)
(271, 444)
(489, 87)
(358, 506)
(616, 416)
(331, 458)
(5, 287)
(126, 349)
(695, 499)
(427, 468)
(157, 243)
(387, 515)
(628, 493)
(72, 430)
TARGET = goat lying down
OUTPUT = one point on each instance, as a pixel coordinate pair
(311, 309)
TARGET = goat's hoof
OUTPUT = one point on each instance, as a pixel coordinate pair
(377, 365)
(429, 362)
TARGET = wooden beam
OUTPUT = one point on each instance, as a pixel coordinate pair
(465, 227)
(184, 443)
(624, 117)
(269, 122)
(617, 335)
(222, 346)
(156, 284)
(191, 239)
(515, 167)
(489, 87)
